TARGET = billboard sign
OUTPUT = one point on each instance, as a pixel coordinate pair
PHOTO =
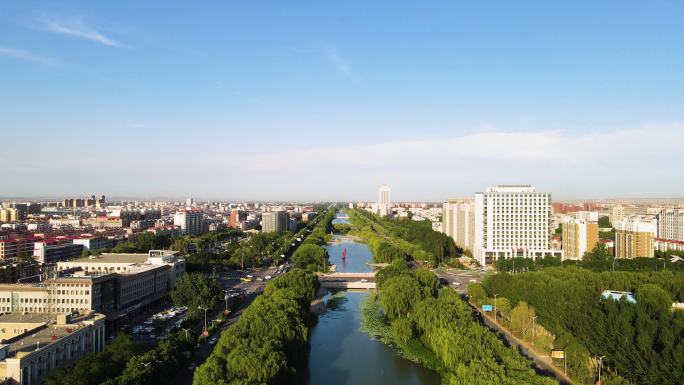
(557, 354)
(487, 308)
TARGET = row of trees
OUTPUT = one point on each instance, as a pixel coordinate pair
(642, 341)
(438, 319)
(390, 240)
(598, 259)
(124, 362)
(270, 340)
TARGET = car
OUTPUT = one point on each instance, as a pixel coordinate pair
(212, 341)
(456, 283)
(249, 276)
(364, 280)
(191, 367)
(153, 336)
(473, 281)
(267, 277)
(259, 279)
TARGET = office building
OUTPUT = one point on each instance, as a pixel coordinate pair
(54, 250)
(579, 236)
(32, 346)
(190, 221)
(384, 201)
(512, 221)
(458, 221)
(634, 237)
(275, 221)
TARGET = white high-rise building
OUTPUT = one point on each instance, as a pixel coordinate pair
(384, 202)
(671, 224)
(189, 202)
(190, 221)
(512, 221)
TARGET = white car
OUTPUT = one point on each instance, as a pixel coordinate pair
(267, 277)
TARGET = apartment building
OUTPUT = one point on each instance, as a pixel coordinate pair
(671, 224)
(579, 236)
(14, 247)
(190, 221)
(634, 237)
(9, 215)
(512, 221)
(32, 346)
(458, 221)
(275, 221)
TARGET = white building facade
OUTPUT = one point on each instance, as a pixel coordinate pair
(384, 201)
(671, 224)
(512, 221)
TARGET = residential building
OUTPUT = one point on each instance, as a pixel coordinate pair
(13, 270)
(275, 221)
(634, 237)
(236, 218)
(579, 236)
(17, 247)
(458, 221)
(32, 346)
(671, 224)
(512, 221)
(384, 201)
(104, 222)
(9, 215)
(190, 221)
(616, 214)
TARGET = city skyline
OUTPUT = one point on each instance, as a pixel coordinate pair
(583, 100)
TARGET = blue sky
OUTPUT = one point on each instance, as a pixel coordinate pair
(328, 100)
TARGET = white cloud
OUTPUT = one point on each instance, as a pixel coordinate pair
(24, 55)
(78, 28)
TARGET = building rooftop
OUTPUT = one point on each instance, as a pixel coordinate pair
(40, 332)
(112, 258)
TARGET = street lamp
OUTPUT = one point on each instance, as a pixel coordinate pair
(226, 298)
(186, 332)
(534, 324)
(205, 316)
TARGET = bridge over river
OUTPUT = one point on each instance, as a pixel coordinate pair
(365, 281)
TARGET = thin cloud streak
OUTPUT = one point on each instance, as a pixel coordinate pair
(338, 62)
(24, 55)
(77, 28)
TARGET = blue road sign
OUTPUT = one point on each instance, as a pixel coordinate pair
(487, 308)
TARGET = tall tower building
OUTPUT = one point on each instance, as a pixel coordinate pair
(384, 202)
(189, 202)
(512, 221)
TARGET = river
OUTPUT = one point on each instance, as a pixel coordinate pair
(341, 354)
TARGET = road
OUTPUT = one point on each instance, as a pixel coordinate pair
(460, 279)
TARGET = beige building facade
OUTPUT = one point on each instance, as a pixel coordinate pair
(579, 236)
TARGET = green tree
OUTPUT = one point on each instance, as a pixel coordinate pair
(521, 318)
(399, 294)
(194, 290)
(311, 257)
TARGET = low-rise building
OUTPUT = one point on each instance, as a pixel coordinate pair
(33, 344)
(55, 250)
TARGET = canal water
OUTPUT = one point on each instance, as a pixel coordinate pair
(341, 354)
(357, 254)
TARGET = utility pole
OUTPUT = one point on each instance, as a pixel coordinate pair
(495, 308)
(600, 367)
(534, 324)
(205, 317)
